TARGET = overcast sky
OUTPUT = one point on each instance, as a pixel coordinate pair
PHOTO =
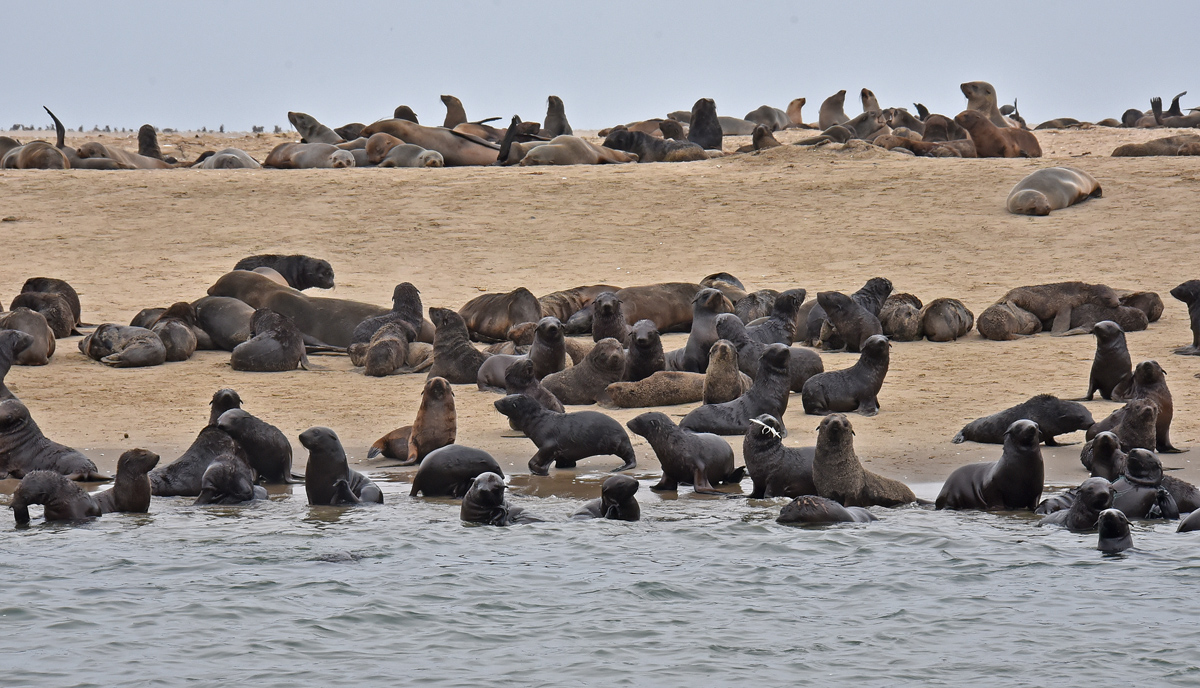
(192, 64)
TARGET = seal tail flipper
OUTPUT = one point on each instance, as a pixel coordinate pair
(736, 476)
(58, 127)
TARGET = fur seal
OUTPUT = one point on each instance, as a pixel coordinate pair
(12, 344)
(456, 147)
(869, 297)
(1111, 367)
(547, 351)
(755, 305)
(1114, 532)
(663, 388)
(574, 305)
(704, 127)
(410, 155)
(900, 318)
(1085, 317)
(1052, 303)
(130, 492)
(1188, 144)
(945, 320)
(1006, 321)
(645, 354)
(305, 156)
(777, 471)
(1107, 459)
(490, 316)
(795, 113)
(176, 328)
(707, 304)
(35, 155)
(453, 356)
(572, 150)
(617, 501)
(267, 449)
(228, 482)
(312, 131)
(811, 510)
(1189, 293)
(51, 285)
(406, 309)
(853, 389)
(802, 363)
(62, 499)
(1091, 497)
(1052, 188)
(227, 159)
(1014, 482)
(328, 479)
(485, 503)
(1140, 492)
(832, 110)
(275, 345)
(435, 426)
(772, 118)
(981, 97)
(839, 475)
(387, 351)
(565, 438)
(608, 318)
(34, 324)
(1134, 426)
(519, 379)
(769, 394)
(226, 320)
(53, 307)
(556, 123)
(23, 448)
(780, 326)
(1053, 416)
(723, 381)
(1149, 381)
(992, 141)
(580, 384)
(301, 272)
(449, 471)
(668, 305)
(649, 148)
(120, 346)
(184, 476)
(698, 458)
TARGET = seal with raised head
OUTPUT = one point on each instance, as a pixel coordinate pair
(1134, 426)
(1107, 459)
(519, 379)
(704, 127)
(769, 394)
(580, 384)
(485, 503)
(300, 271)
(311, 130)
(1111, 366)
(1139, 492)
(1149, 381)
(1014, 482)
(1189, 293)
(707, 304)
(406, 308)
(1053, 416)
(840, 476)
(802, 363)
(981, 97)
(435, 426)
(12, 343)
(644, 357)
(565, 438)
(23, 448)
(811, 510)
(777, 471)
(852, 389)
(992, 141)
(454, 358)
(945, 320)
(780, 326)
(1091, 497)
(869, 297)
(548, 351)
(130, 492)
(267, 449)
(1114, 532)
(700, 459)
(1052, 188)
(608, 318)
(617, 502)
(328, 480)
(832, 110)
(121, 346)
(450, 470)
(275, 345)
(184, 475)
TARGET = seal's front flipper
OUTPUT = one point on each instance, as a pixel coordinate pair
(1062, 321)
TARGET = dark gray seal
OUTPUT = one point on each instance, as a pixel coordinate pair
(1014, 482)
(1189, 293)
(56, 286)
(484, 503)
(565, 438)
(121, 346)
(777, 471)
(769, 394)
(608, 318)
(1111, 366)
(1134, 426)
(1053, 416)
(53, 307)
(840, 476)
(853, 323)
(852, 389)
(707, 304)
(945, 320)
(406, 309)
(1090, 498)
(301, 272)
(454, 358)
(328, 480)
(130, 492)
(700, 459)
(617, 502)
(24, 449)
(519, 379)
(12, 343)
(1149, 381)
(1114, 532)
(802, 363)
(1107, 459)
(32, 323)
(267, 448)
(780, 326)
(450, 470)
(183, 477)
(1139, 492)
(228, 482)
(275, 345)
(811, 510)
(176, 328)
(644, 356)
(704, 128)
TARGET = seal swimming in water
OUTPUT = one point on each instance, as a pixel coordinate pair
(565, 438)
(811, 510)
(1140, 493)
(617, 501)
(839, 475)
(23, 448)
(1052, 188)
(485, 503)
(62, 499)
(328, 478)
(301, 272)
(449, 471)
(1114, 532)
(1053, 416)
(777, 471)
(1014, 482)
(700, 459)
(853, 389)
(769, 394)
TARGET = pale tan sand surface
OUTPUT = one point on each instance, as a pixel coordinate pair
(819, 219)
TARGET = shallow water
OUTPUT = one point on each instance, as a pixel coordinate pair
(703, 591)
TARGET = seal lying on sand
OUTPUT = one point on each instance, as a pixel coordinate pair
(120, 346)
(1053, 188)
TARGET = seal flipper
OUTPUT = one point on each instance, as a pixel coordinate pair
(630, 460)
(343, 495)
(1062, 321)
(700, 484)
(58, 127)
(735, 478)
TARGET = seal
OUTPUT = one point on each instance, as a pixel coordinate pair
(644, 356)
(1107, 459)
(992, 141)
(225, 320)
(869, 297)
(410, 155)
(780, 326)
(802, 363)
(485, 503)
(981, 97)
(227, 159)
(945, 320)
(1171, 145)
(574, 306)
(453, 356)
(53, 307)
(301, 272)
(267, 449)
(406, 309)
(1091, 497)
(1114, 532)
(853, 389)
(832, 110)
(228, 482)
(183, 477)
(62, 499)
(1149, 381)
(777, 471)
(700, 459)
(772, 118)
(617, 501)
(1012, 483)
(580, 384)
(1139, 491)
(900, 318)
(794, 112)
(572, 150)
(120, 346)
(565, 438)
(1189, 293)
(755, 305)
(490, 316)
(23, 448)
(811, 510)
(436, 424)
(608, 319)
(1111, 366)
(456, 147)
(306, 156)
(130, 492)
(176, 329)
(312, 131)
(649, 148)
(34, 324)
(556, 123)
(723, 381)
(450, 470)
(840, 476)
(704, 127)
(387, 351)
(1052, 188)
(707, 304)
(51, 285)
(1053, 416)
(769, 394)
(328, 479)
(276, 345)
(12, 344)
(1006, 321)
(547, 351)
(1148, 302)
(1133, 424)
(668, 304)
(1085, 317)
(1052, 303)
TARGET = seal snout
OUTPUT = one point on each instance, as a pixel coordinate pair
(1025, 433)
(312, 438)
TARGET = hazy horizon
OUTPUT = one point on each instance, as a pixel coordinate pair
(192, 65)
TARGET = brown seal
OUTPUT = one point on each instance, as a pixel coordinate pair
(1052, 303)
(723, 381)
(981, 97)
(992, 141)
(581, 384)
(832, 112)
(435, 426)
(387, 351)
(457, 147)
(275, 345)
(811, 510)
(573, 150)
(839, 475)
(854, 323)
(945, 320)
(644, 355)
(304, 156)
(490, 316)
(668, 305)
(33, 324)
(568, 304)
(772, 118)
(1187, 144)
(649, 148)
(1052, 188)
(176, 328)
(608, 318)
(900, 318)
(1134, 424)
(1149, 381)
(794, 112)
(1006, 320)
(669, 388)
(62, 500)
(454, 358)
(35, 155)
(312, 131)
(130, 492)
(51, 285)
(23, 448)
(53, 307)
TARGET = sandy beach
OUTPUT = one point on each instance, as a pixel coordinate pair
(789, 217)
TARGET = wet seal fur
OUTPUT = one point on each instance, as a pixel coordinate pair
(1052, 415)
(1014, 482)
(853, 389)
(565, 438)
(1091, 497)
(1149, 381)
(485, 503)
(839, 475)
(449, 471)
(435, 426)
(183, 477)
(328, 478)
(617, 501)
(698, 458)
(1114, 532)
(267, 449)
(811, 510)
(777, 471)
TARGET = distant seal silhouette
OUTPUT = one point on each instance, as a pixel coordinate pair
(1052, 188)
(485, 503)
(267, 449)
(811, 510)
(1149, 381)
(328, 479)
(1014, 482)
(453, 356)
(840, 476)
(12, 343)
(1189, 293)
(1114, 532)
(565, 438)
(945, 320)
(992, 141)
(580, 384)
(1111, 366)
(449, 471)
(900, 318)
(183, 477)
(644, 357)
(32, 323)
(1052, 415)
(853, 389)
(276, 345)
(1092, 496)
(698, 458)
(301, 272)
(617, 501)
(769, 394)
(777, 471)
(120, 346)
(23, 448)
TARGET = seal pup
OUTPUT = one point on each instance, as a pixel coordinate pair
(1114, 532)
(453, 356)
(519, 379)
(840, 476)
(853, 389)
(184, 476)
(1140, 493)
(780, 326)
(1053, 416)
(869, 297)
(410, 155)
(776, 470)
(1189, 293)
(62, 499)
(228, 482)
(832, 111)
(811, 510)
(1149, 381)
(130, 492)
(945, 320)
(704, 127)
(1052, 188)
(565, 438)
(1134, 425)
(406, 309)
(580, 384)
(120, 346)
(449, 471)
(795, 113)
(267, 449)
(301, 271)
(23, 448)
(276, 345)
(12, 344)
(700, 459)
(485, 503)
(644, 356)
(53, 307)
(617, 501)
(1111, 366)
(34, 324)
(328, 478)
(769, 394)
(1091, 497)
(1014, 482)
